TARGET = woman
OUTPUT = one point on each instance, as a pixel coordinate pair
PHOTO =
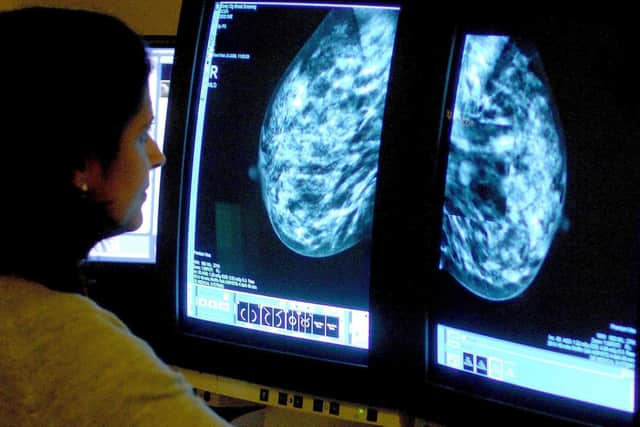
(74, 167)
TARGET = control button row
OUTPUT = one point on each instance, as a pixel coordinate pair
(290, 320)
(318, 404)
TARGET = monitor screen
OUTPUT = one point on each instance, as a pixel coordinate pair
(536, 303)
(280, 178)
(139, 246)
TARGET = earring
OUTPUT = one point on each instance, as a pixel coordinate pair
(84, 191)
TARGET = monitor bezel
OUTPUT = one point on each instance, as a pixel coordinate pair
(391, 228)
(447, 391)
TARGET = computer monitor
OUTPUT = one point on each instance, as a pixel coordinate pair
(139, 246)
(279, 144)
(534, 307)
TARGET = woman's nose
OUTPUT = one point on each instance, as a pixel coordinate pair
(156, 156)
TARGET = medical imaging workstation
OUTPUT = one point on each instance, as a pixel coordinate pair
(433, 215)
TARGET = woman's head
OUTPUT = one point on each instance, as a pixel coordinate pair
(74, 109)
(121, 185)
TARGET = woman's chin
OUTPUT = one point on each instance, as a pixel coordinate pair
(132, 224)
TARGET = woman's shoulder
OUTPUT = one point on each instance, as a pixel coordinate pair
(34, 316)
(73, 331)
(83, 361)
(27, 299)
(70, 328)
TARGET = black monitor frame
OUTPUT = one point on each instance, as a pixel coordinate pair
(444, 393)
(402, 165)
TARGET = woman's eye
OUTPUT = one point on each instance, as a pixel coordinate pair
(142, 139)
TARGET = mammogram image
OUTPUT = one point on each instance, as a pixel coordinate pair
(320, 138)
(506, 173)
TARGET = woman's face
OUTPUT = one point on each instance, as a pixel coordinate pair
(123, 186)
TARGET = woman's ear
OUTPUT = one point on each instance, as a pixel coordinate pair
(80, 181)
(88, 178)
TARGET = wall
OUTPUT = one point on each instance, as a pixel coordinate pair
(146, 17)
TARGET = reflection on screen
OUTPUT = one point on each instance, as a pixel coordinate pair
(285, 154)
(539, 290)
(140, 245)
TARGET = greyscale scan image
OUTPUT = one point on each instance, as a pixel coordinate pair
(506, 174)
(320, 138)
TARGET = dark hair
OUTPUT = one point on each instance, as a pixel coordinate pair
(70, 81)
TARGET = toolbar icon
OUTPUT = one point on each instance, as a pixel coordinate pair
(254, 314)
(481, 365)
(319, 324)
(267, 316)
(242, 311)
(292, 321)
(279, 318)
(305, 322)
(496, 369)
(333, 327)
(468, 362)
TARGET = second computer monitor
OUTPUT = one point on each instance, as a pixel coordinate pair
(536, 304)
